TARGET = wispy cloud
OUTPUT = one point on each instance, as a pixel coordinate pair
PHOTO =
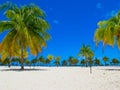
(111, 13)
(55, 21)
(99, 5)
(51, 9)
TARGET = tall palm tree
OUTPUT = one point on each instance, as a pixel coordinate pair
(27, 29)
(87, 53)
(108, 31)
(105, 59)
(90, 62)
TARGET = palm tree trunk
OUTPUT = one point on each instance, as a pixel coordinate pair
(9, 65)
(87, 62)
(22, 60)
(90, 69)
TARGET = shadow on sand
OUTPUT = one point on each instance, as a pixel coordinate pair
(111, 69)
(19, 70)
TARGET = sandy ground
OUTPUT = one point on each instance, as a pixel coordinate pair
(60, 78)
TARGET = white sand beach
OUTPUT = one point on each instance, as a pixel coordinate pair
(60, 78)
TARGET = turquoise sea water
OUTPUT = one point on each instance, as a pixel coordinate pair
(73, 22)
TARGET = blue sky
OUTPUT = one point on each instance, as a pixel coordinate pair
(73, 22)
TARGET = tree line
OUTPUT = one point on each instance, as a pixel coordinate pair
(51, 61)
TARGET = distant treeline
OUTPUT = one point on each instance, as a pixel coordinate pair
(51, 61)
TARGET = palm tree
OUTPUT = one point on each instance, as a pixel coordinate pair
(34, 61)
(49, 58)
(87, 53)
(27, 29)
(72, 60)
(41, 60)
(96, 61)
(64, 63)
(90, 61)
(57, 60)
(83, 62)
(105, 59)
(108, 31)
(115, 61)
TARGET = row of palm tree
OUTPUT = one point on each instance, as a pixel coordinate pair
(34, 62)
(71, 61)
(98, 62)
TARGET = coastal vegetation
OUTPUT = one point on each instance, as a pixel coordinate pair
(27, 31)
(42, 61)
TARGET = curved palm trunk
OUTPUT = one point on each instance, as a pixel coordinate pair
(22, 60)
